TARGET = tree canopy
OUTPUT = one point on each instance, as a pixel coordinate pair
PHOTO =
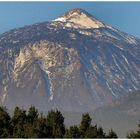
(134, 134)
(32, 124)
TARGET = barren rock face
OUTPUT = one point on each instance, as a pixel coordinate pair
(71, 68)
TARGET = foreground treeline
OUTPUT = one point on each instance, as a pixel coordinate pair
(32, 124)
(134, 134)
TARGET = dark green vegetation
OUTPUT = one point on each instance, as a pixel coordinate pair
(32, 124)
(134, 134)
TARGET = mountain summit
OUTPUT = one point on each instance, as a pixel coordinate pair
(78, 18)
(74, 63)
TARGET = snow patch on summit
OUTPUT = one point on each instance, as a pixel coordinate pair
(60, 19)
(81, 20)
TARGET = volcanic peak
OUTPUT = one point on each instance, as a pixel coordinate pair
(78, 18)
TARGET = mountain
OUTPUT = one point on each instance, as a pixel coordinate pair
(128, 105)
(73, 63)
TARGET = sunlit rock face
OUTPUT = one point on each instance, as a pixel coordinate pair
(79, 18)
(74, 63)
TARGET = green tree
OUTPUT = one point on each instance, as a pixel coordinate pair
(43, 129)
(95, 132)
(19, 121)
(112, 134)
(32, 114)
(30, 122)
(100, 133)
(29, 131)
(91, 132)
(72, 132)
(85, 124)
(55, 121)
(33, 128)
(5, 125)
(134, 134)
(34, 125)
(19, 116)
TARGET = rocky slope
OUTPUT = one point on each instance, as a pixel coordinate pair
(74, 63)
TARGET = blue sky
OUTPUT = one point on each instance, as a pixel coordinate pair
(122, 15)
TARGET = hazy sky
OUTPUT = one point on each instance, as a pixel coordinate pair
(122, 15)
